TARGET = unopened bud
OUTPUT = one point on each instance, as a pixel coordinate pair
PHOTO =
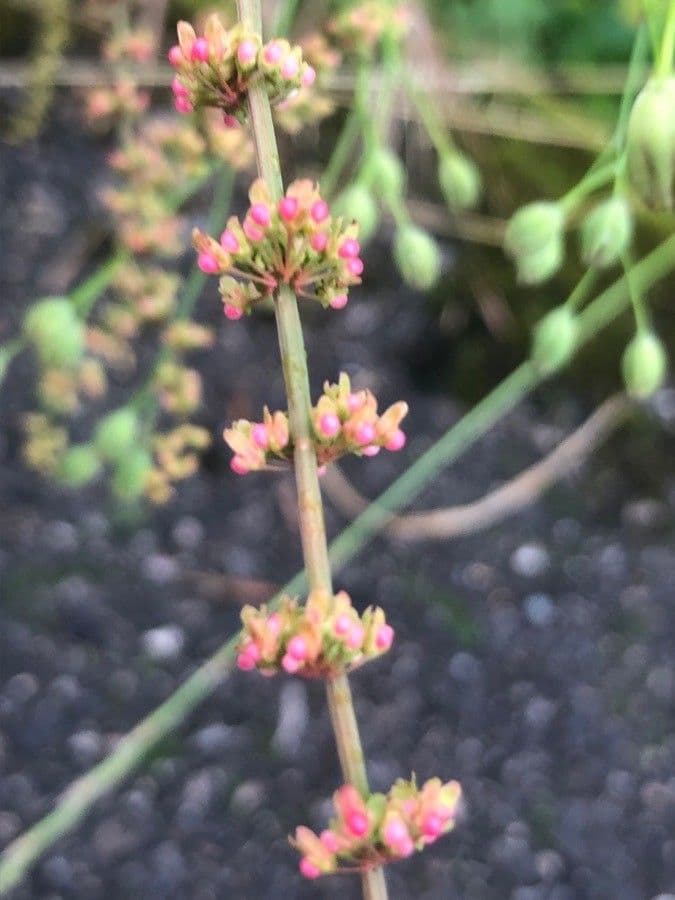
(534, 239)
(116, 434)
(606, 233)
(417, 257)
(57, 333)
(554, 341)
(358, 203)
(385, 174)
(460, 181)
(644, 365)
(80, 465)
(131, 475)
(651, 143)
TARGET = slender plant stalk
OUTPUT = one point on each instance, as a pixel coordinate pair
(310, 505)
(664, 59)
(78, 799)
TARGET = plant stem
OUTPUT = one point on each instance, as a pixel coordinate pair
(77, 800)
(664, 60)
(343, 147)
(284, 18)
(310, 505)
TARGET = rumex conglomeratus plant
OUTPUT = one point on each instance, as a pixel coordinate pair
(289, 246)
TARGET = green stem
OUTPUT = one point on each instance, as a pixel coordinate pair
(85, 295)
(341, 152)
(594, 179)
(310, 505)
(581, 291)
(664, 60)
(284, 18)
(77, 800)
(634, 79)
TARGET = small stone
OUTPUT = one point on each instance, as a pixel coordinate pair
(86, 747)
(465, 667)
(293, 719)
(539, 610)
(549, 865)
(188, 533)
(10, 826)
(58, 872)
(22, 687)
(530, 560)
(61, 537)
(165, 643)
(539, 713)
(249, 796)
(160, 569)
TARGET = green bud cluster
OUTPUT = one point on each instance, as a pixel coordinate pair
(460, 181)
(606, 233)
(651, 143)
(534, 239)
(417, 257)
(644, 365)
(56, 332)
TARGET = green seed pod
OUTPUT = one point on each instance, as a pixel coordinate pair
(606, 233)
(53, 327)
(131, 475)
(534, 239)
(417, 257)
(357, 202)
(460, 181)
(651, 143)
(80, 465)
(385, 174)
(644, 365)
(116, 434)
(554, 340)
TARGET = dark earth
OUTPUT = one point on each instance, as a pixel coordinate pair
(533, 662)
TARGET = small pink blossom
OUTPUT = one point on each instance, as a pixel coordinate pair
(396, 441)
(288, 208)
(229, 242)
(339, 301)
(260, 214)
(329, 424)
(308, 869)
(208, 263)
(200, 50)
(175, 55)
(260, 436)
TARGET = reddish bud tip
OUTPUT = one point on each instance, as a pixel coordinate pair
(342, 625)
(308, 76)
(297, 648)
(230, 121)
(238, 466)
(365, 433)
(208, 263)
(290, 664)
(200, 50)
(260, 436)
(273, 53)
(182, 104)
(432, 826)
(396, 441)
(245, 662)
(290, 68)
(349, 248)
(371, 450)
(330, 841)
(252, 231)
(355, 266)
(175, 55)
(357, 823)
(339, 301)
(355, 636)
(329, 425)
(395, 833)
(319, 241)
(288, 208)
(260, 214)
(229, 242)
(319, 211)
(247, 52)
(384, 637)
(178, 88)
(233, 313)
(308, 869)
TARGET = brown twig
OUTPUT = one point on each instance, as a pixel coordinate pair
(510, 498)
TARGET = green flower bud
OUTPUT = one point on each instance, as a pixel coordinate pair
(53, 327)
(534, 239)
(460, 181)
(554, 340)
(606, 233)
(644, 365)
(417, 257)
(131, 475)
(357, 202)
(80, 465)
(385, 174)
(116, 434)
(651, 143)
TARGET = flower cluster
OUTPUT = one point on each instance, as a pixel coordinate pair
(380, 829)
(295, 242)
(343, 421)
(310, 104)
(319, 639)
(360, 28)
(216, 68)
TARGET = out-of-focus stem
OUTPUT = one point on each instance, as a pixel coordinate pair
(310, 505)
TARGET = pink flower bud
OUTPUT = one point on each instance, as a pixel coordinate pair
(175, 55)
(274, 623)
(230, 121)
(233, 313)
(357, 823)
(330, 841)
(371, 450)
(290, 664)
(245, 662)
(349, 248)
(319, 241)
(208, 263)
(290, 68)
(355, 636)
(365, 433)
(182, 104)
(273, 53)
(238, 466)
(252, 231)
(308, 76)
(432, 826)
(396, 441)
(260, 214)
(355, 402)
(405, 848)
(308, 869)
(260, 436)
(297, 648)
(321, 471)
(247, 52)
(288, 208)
(395, 832)
(319, 211)
(229, 242)
(342, 625)
(200, 50)
(339, 301)
(178, 88)
(329, 424)
(384, 637)
(355, 266)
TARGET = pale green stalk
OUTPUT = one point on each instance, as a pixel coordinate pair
(75, 802)
(310, 505)
(664, 59)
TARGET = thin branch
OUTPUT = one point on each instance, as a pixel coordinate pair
(507, 500)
